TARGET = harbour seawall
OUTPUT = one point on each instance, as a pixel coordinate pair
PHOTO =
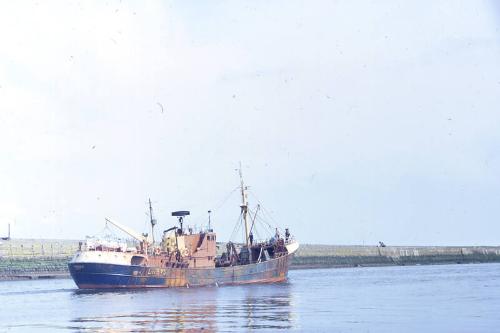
(34, 258)
(316, 256)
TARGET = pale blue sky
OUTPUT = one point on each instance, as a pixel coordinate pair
(356, 121)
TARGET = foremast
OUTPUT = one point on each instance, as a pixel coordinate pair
(152, 220)
(244, 212)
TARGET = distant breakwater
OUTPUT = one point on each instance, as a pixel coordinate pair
(320, 256)
(36, 258)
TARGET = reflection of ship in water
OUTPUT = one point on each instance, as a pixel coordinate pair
(270, 311)
(187, 313)
(267, 307)
(184, 258)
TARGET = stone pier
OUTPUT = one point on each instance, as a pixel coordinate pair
(37, 258)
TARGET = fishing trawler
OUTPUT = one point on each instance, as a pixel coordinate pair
(183, 258)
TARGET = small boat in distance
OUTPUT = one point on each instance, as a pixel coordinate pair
(183, 258)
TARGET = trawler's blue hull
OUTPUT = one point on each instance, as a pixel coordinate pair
(89, 275)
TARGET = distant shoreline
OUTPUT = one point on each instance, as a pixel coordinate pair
(22, 259)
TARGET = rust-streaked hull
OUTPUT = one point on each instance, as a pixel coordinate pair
(102, 275)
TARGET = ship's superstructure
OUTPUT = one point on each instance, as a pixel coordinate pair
(183, 258)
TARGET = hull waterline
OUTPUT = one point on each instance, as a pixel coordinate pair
(89, 275)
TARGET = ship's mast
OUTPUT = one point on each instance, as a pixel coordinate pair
(153, 221)
(244, 207)
(209, 222)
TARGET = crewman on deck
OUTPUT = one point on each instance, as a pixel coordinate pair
(250, 238)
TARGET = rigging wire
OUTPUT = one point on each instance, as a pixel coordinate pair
(263, 208)
(201, 219)
(107, 233)
(237, 226)
(266, 213)
(253, 227)
(225, 199)
(265, 223)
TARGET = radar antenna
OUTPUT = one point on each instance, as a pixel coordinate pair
(180, 216)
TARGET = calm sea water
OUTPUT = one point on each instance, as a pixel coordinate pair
(451, 298)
